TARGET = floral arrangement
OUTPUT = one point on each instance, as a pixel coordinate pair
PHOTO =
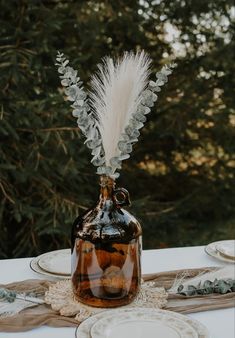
(112, 113)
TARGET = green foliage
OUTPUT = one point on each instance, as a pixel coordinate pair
(217, 286)
(181, 173)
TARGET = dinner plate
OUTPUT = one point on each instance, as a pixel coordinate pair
(85, 327)
(211, 250)
(36, 268)
(227, 249)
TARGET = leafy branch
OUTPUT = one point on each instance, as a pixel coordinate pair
(208, 287)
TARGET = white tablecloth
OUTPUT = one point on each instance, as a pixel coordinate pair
(221, 323)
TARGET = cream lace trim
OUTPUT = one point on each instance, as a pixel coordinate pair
(60, 297)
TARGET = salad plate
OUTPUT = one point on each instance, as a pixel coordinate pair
(212, 250)
(56, 262)
(141, 324)
(227, 249)
(62, 268)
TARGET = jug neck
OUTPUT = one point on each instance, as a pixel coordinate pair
(107, 186)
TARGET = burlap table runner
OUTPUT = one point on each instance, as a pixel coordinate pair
(43, 314)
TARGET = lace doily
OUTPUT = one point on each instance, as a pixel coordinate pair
(60, 297)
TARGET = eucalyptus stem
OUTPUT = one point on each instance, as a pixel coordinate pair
(217, 286)
(10, 296)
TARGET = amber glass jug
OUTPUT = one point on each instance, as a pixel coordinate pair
(106, 249)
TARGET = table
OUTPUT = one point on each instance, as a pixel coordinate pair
(221, 323)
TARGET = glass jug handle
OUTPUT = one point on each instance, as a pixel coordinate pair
(121, 197)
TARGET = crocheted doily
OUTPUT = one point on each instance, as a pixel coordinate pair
(60, 297)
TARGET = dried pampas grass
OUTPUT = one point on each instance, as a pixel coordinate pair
(115, 95)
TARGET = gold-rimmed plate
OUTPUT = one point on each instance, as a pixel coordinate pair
(60, 270)
(141, 324)
(211, 250)
(227, 249)
(85, 328)
(57, 262)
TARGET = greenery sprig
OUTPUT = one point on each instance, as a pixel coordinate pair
(81, 109)
(10, 296)
(7, 295)
(208, 287)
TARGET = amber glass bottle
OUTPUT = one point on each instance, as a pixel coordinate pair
(106, 249)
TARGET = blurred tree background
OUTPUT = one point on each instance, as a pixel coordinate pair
(181, 174)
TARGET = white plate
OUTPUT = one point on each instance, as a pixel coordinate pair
(227, 249)
(36, 268)
(56, 262)
(211, 249)
(141, 324)
(85, 327)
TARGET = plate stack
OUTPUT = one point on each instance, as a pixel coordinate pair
(222, 250)
(141, 323)
(53, 264)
